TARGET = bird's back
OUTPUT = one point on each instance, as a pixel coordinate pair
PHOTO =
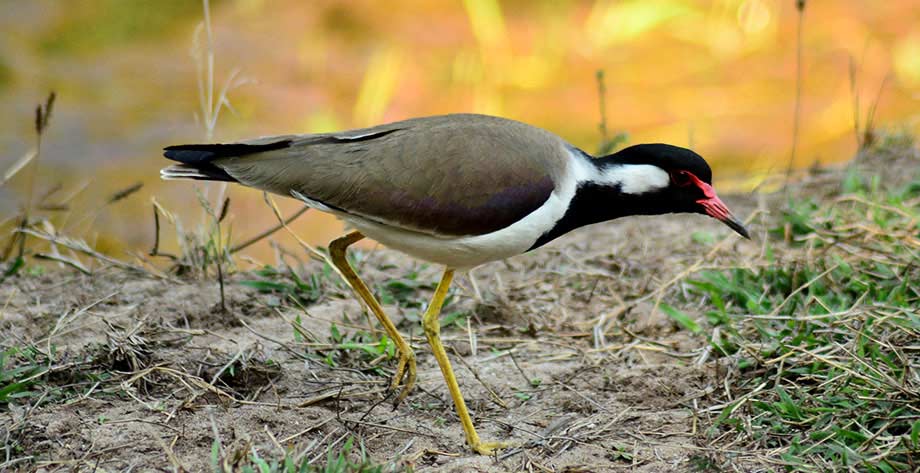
(448, 175)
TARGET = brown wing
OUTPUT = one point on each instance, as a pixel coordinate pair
(447, 175)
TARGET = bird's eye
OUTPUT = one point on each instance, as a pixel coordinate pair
(681, 178)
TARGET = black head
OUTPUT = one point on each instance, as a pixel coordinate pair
(667, 157)
(688, 187)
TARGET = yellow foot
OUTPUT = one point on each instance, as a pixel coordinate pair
(404, 368)
(488, 448)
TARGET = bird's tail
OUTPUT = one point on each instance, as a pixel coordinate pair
(202, 161)
(198, 172)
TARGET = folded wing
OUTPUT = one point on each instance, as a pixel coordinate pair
(449, 175)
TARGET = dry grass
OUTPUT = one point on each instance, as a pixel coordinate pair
(797, 352)
(819, 335)
(616, 349)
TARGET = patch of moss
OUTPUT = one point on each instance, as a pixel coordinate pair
(102, 23)
(6, 75)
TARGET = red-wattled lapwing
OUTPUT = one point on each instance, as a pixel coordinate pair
(456, 190)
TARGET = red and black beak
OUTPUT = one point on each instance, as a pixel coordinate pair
(715, 208)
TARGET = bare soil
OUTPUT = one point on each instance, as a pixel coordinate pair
(541, 376)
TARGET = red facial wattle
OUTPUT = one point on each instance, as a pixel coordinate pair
(714, 206)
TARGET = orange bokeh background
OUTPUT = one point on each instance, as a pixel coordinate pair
(716, 75)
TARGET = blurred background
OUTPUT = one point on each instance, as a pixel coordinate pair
(717, 75)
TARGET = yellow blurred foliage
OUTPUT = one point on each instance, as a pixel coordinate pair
(719, 75)
(376, 91)
(907, 59)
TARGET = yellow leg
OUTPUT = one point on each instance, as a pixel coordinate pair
(406, 365)
(433, 331)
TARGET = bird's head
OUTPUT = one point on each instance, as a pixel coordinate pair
(669, 179)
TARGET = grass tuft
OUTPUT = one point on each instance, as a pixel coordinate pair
(337, 460)
(823, 336)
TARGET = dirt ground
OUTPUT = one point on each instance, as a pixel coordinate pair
(571, 364)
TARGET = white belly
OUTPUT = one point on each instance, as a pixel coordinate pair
(468, 251)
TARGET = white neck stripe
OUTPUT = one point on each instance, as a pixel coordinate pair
(636, 178)
(630, 178)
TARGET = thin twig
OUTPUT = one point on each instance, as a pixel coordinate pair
(270, 231)
(82, 247)
(800, 7)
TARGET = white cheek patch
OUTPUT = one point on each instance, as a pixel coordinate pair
(637, 178)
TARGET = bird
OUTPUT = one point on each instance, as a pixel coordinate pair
(457, 190)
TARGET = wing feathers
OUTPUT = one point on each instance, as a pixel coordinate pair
(449, 175)
(203, 153)
(200, 172)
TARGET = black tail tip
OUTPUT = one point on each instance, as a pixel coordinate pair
(203, 153)
(189, 154)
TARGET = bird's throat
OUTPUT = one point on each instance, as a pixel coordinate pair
(595, 203)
